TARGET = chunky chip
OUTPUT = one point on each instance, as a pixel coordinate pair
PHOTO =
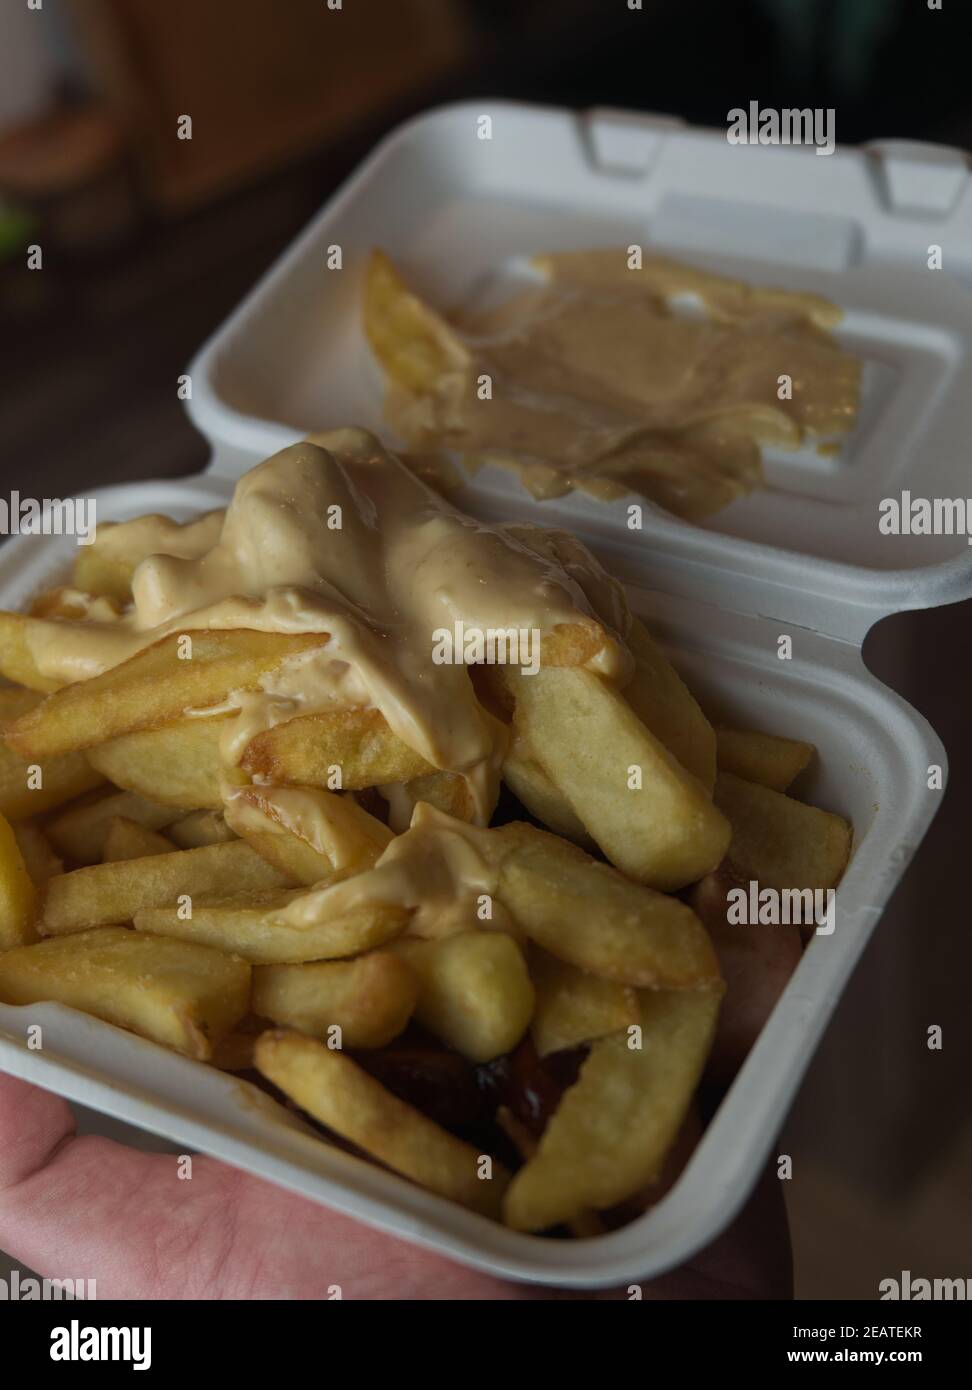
(177, 993)
(414, 345)
(764, 758)
(18, 895)
(446, 791)
(651, 818)
(368, 1000)
(31, 789)
(340, 1095)
(255, 925)
(664, 704)
(107, 565)
(178, 764)
(154, 687)
(107, 893)
(126, 839)
(313, 835)
(79, 831)
(527, 781)
(18, 661)
(475, 993)
(610, 1134)
(347, 749)
(589, 915)
(574, 1007)
(41, 861)
(779, 842)
(201, 828)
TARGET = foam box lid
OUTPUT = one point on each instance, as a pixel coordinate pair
(458, 212)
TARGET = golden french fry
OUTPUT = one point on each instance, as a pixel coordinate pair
(308, 750)
(314, 835)
(575, 644)
(353, 748)
(290, 854)
(106, 566)
(32, 788)
(75, 605)
(779, 842)
(18, 661)
(154, 687)
(98, 574)
(370, 999)
(28, 789)
(589, 1224)
(665, 705)
(18, 896)
(254, 925)
(764, 758)
(52, 603)
(413, 344)
(574, 1007)
(41, 861)
(446, 791)
(676, 1160)
(176, 993)
(15, 701)
(79, 832)
(178, 764)
(589, 915)
(610, 1134)
(651, 818)
(201, 828)
(342, 1096)
(527, 780)
(475, 992)
(126, 839)
(109, 893)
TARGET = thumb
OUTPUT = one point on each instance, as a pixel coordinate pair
(33, 1125)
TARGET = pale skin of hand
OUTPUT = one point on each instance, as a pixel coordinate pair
(86, 1207)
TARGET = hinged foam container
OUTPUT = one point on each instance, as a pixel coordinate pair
(802, 557)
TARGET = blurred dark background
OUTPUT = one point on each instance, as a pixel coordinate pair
(149, 243)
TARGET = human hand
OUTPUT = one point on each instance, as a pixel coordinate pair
(91, 1208)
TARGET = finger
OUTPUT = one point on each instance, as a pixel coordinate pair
(88, 1208)
(33, 1124)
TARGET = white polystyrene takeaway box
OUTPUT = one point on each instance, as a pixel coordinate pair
(803, 557)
